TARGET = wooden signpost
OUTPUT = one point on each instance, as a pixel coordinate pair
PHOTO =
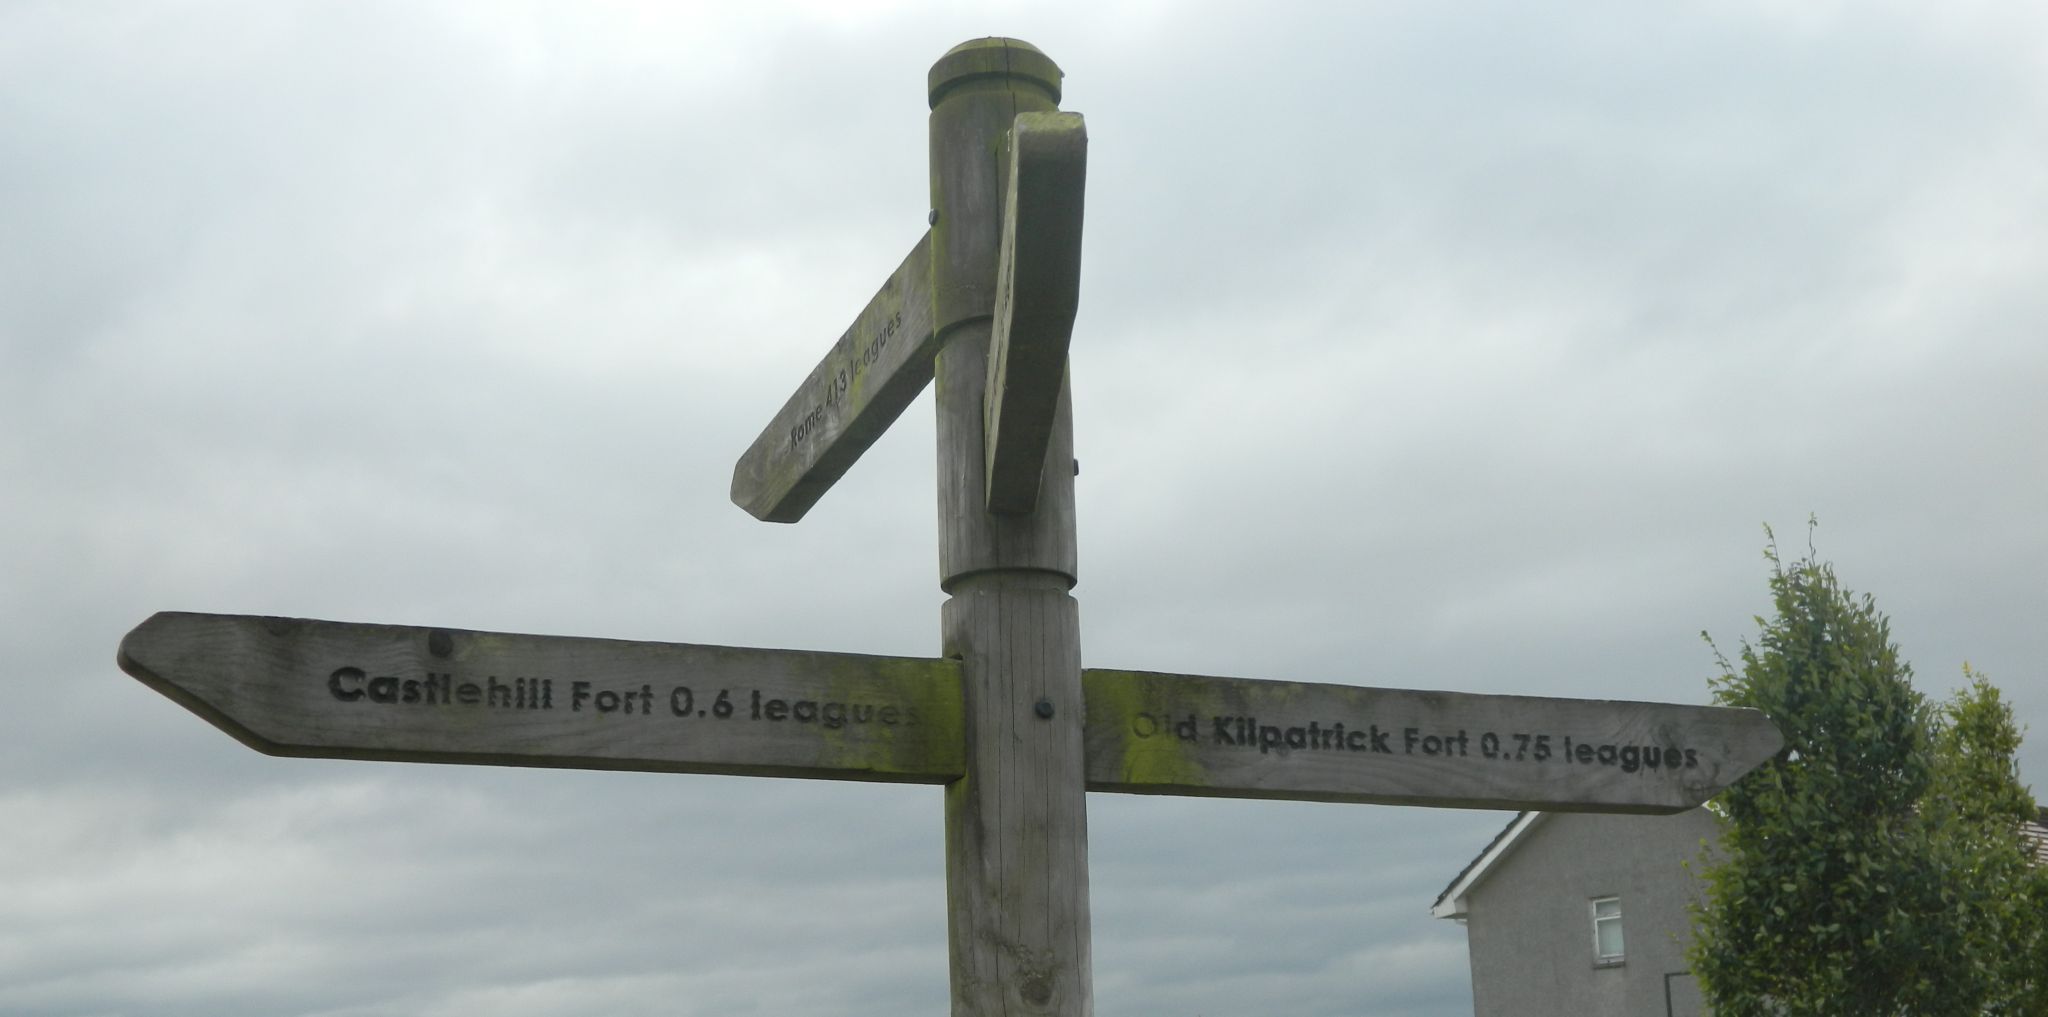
(1005, 718)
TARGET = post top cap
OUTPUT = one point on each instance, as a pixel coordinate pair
(993, 57)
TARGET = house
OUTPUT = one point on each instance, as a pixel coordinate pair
(1582, 915)
(1585, 915)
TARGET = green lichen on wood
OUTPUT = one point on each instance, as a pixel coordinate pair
(1117, 700)
(926, 690)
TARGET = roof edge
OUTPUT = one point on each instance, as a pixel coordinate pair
(1451, 902)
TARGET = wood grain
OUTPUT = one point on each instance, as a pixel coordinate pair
(1016, 824)
(298, 687)
(991, 81)
(1038, 291)
(1178, 734)
(874, 370)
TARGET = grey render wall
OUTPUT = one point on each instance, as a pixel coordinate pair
(1530, 927)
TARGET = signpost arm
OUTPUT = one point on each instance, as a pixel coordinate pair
(1036, 296)
(1016, 824)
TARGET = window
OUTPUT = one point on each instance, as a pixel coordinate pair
(1606, 931)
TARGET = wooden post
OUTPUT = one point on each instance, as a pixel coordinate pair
(1016, 824)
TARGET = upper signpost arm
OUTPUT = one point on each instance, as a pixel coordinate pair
(1038, 288)
(875, 369)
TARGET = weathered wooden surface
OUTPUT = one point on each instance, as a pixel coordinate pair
(972, 539)
(875, 369)
(297, 687)
(977, 91)
(994, 80)
(1038, 290)
(1237, 738)
(1016, 824)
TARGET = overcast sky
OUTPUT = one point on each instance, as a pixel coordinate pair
(1425, 345)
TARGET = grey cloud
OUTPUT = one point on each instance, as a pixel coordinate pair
(1447, 351)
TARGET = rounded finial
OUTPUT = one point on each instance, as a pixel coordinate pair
(993, 57)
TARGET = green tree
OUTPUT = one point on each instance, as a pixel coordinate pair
(2029, 982)
(1973, 813)
(1858, 876)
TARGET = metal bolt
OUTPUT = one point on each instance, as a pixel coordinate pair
(440, 643)
(932, 218)
(1044, 709)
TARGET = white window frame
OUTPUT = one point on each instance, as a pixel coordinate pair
(1600, 958)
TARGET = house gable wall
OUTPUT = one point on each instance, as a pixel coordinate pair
(1530, 927)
